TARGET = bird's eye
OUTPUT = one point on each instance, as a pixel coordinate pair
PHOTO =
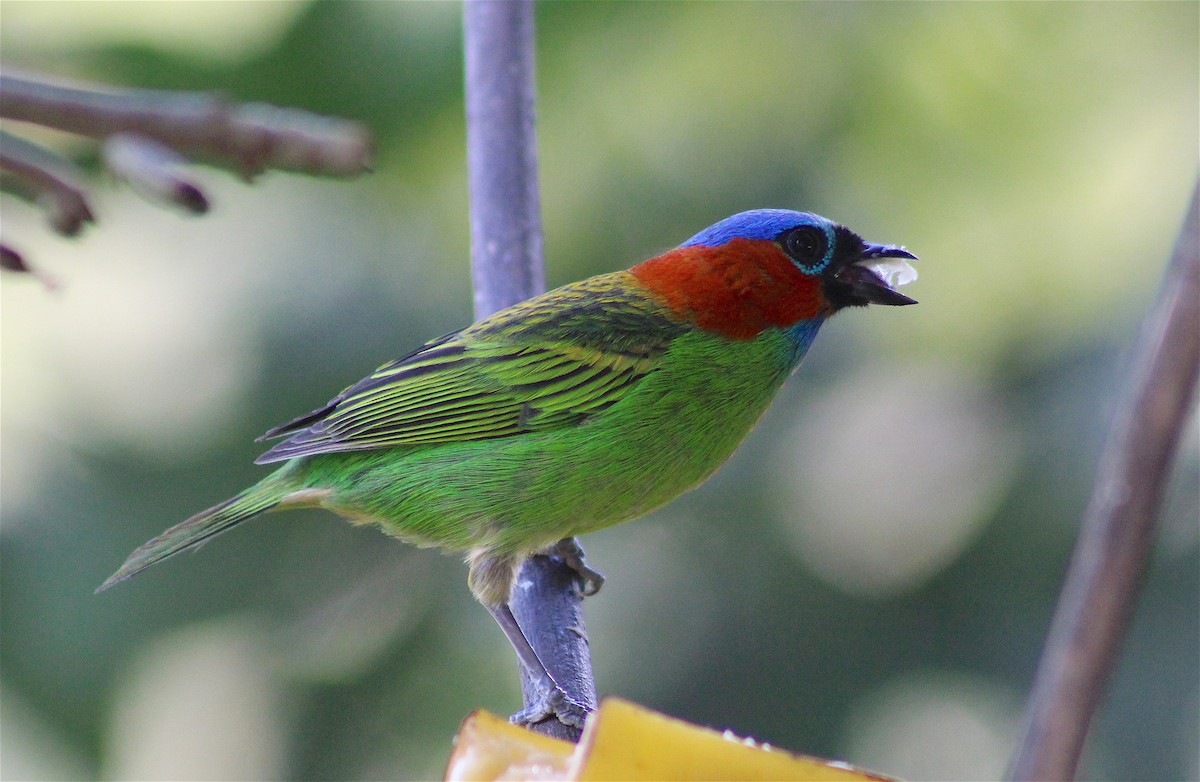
(806, 246)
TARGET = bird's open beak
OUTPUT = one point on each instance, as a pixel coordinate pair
(876, 275)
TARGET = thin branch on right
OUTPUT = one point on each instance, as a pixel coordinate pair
(1120, 523)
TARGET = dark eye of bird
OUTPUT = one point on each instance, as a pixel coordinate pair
(806, 245)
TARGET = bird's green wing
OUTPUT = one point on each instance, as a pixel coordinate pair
(550, 362)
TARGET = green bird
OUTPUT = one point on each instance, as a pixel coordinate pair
(578, 409)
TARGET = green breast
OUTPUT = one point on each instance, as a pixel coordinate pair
(520, 493)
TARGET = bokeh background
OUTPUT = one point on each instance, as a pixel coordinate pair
(869, 578)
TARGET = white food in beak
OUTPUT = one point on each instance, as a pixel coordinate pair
(893, 271)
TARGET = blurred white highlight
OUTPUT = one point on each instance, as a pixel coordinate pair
(887, 477)
(935, 727)
(201, 703)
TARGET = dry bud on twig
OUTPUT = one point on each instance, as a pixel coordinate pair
(153, 170)
(11, 260)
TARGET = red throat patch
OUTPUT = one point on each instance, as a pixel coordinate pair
(735, 290)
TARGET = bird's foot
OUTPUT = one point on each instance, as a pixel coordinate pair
(554, 703)
(571, 553)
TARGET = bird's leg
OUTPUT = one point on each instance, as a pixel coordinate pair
(554, 700)
(491, 578)
(571, 553)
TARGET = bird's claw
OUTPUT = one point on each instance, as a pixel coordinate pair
(571, 553)
(554, 703)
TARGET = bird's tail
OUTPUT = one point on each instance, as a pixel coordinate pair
(273, 490)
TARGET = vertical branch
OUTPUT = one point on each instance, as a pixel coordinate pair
(1120, 523)
(506, 259)
(506, 223)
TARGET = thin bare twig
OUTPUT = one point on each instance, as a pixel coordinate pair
(506, 252)
(252, 136)
(50, 179)
(1120, 523)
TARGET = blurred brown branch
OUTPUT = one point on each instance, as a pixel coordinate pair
(1120, 523)
(148, 136)
(55, 182)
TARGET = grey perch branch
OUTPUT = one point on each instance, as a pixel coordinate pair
(506, 252)
(1120, 523)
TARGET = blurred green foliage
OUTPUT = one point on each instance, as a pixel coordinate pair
(875, 593)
